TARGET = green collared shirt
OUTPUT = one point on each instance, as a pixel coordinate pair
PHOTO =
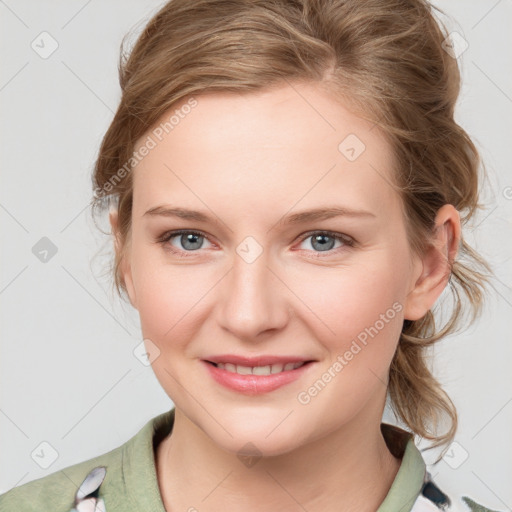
(130, 483)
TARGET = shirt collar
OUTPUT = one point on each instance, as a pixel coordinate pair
(139, 466)
(410, 476)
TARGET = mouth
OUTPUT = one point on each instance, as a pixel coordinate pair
(258, 376)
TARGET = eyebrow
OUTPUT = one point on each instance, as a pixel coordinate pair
(315, 214)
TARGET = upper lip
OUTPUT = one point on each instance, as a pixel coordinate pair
(263, 360)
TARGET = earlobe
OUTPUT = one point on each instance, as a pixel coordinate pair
(113, 218)
(435, 265)
(124, 266)
(128, 282)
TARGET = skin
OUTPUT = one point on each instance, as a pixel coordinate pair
(248, 161)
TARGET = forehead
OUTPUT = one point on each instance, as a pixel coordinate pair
(286, 144)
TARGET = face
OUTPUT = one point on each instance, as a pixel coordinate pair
(250, 278)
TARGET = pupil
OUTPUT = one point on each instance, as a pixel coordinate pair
(189, 238)
(323, 243)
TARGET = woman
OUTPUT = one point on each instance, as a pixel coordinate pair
(287, 189)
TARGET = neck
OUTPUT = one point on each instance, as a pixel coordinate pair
(350, 469)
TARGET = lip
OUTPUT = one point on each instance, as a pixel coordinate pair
(256, 384)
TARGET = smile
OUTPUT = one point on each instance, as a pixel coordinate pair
(256, 380)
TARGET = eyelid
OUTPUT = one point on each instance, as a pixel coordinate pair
(333, 234)
(167, 235)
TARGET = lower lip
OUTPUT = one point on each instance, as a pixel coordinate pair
(255, 384)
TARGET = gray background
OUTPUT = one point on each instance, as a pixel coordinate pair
(68, 374)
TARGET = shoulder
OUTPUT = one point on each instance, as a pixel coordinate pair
(126, 475)
(432, 499)
(56, 492)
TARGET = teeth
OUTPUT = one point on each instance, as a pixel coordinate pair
(276, 368)
(261, 370)
(258, 370)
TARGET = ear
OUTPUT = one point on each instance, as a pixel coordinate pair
(435, 264)
(124, 267)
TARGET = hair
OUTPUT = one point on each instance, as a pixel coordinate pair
(383, 57)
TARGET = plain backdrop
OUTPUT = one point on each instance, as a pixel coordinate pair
(69, 378)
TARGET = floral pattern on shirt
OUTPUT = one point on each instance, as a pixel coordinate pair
(432, 499)
(87, 497)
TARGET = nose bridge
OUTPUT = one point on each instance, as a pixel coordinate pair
(252, 300)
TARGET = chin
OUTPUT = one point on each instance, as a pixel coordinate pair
(258, 446)
(266, 439)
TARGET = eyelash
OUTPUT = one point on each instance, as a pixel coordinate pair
(348, 242)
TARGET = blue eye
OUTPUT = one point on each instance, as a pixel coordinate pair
(322, 241)
(192, 241)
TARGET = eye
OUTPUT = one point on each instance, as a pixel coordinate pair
(188, 241)
(323, 241)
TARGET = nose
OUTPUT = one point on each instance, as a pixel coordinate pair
(253, 299)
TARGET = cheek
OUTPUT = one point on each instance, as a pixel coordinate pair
(347, 301)
(168, 302)
(360, 323)
(357, 312)
(165, 293)
(173, 300)
(170, 299)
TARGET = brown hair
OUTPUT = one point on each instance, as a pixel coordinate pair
(384, 57)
